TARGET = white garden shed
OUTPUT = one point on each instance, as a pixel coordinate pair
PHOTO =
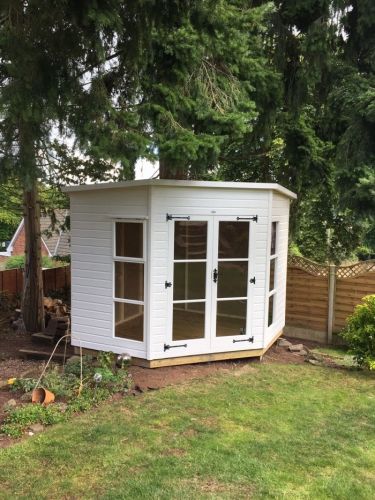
(176, 272)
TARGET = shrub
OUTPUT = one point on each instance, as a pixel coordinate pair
(359, 333)
(62, 385)
(73, 366)
(18, 419)
(23, 384)
(101, 379)
(18, 262)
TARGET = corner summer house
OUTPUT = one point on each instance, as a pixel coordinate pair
(176, 272)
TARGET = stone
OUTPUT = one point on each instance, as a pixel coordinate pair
(26, 396)
(10, 404)
(283, 343)
(62, 407)
(295, 347)
(314, 362)
(302, 352)
(35, 428)
(317, 357)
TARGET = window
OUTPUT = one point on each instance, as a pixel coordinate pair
(272, 283)
(129, 263)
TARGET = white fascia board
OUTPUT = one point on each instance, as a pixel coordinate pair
(9, 249)
(178, 183)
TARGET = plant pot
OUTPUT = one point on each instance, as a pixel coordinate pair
(42, 396)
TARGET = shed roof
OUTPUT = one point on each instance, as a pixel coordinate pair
(179, 183)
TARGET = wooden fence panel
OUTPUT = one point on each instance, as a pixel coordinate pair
(306, 299)
(11, 281)
(309, 310)
(349, 293)
(56, 278)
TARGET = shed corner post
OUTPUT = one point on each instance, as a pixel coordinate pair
(331, 301)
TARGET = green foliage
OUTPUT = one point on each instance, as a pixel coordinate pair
(18, 419)
(106, 360)
(10, 209)
(359, 333)
(317, 135)
(62, 385)
(18, 262)
(73, 366)
(267, 91)
(23, 384)
(89, 398)
(100, 379)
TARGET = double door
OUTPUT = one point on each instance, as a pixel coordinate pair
(211, 282)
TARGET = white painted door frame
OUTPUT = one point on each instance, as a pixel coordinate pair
(241, 341)
(210, 343)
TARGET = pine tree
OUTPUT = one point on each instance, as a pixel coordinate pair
(196, 88)
(47, 48)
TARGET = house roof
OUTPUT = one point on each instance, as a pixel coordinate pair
(179, 183)
(56, 241)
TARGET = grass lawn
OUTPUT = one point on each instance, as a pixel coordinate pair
(263, 431)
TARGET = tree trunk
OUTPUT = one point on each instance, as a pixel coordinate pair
(32, 301)
(32, 298)
(167, 170)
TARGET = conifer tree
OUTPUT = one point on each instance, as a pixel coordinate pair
(46, 49)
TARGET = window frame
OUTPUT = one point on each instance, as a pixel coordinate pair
(133, 260)
(275, 258)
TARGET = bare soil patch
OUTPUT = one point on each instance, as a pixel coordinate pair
(148, 378)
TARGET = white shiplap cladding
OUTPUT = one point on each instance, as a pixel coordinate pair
(94, 208)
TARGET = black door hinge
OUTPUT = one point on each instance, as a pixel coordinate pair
(167, 284)
(253, 217)
(251, 339)
(252, 280)
(180, 217)
(167, 346)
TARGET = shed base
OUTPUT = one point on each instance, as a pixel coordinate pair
(200, 358)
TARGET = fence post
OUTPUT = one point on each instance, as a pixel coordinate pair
(331, 301)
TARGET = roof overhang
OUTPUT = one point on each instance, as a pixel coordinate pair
(178, 183)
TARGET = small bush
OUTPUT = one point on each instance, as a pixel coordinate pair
(63, 386)
(89, 398)
(23, 384)
(100, 379)
(73, 366)
(359, 333)
(18, 262)
(18, 419)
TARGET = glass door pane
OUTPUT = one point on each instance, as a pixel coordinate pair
(189, 280)
(188, 320)
(231, 318)
(233, 240)
(232, 277)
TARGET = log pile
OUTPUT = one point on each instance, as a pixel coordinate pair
(56, 317)
(55, 307)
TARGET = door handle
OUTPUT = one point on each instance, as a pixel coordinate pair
(215, 275)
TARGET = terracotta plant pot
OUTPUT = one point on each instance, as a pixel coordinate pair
(42, 396)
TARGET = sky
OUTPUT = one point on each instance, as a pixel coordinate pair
(144, 169)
